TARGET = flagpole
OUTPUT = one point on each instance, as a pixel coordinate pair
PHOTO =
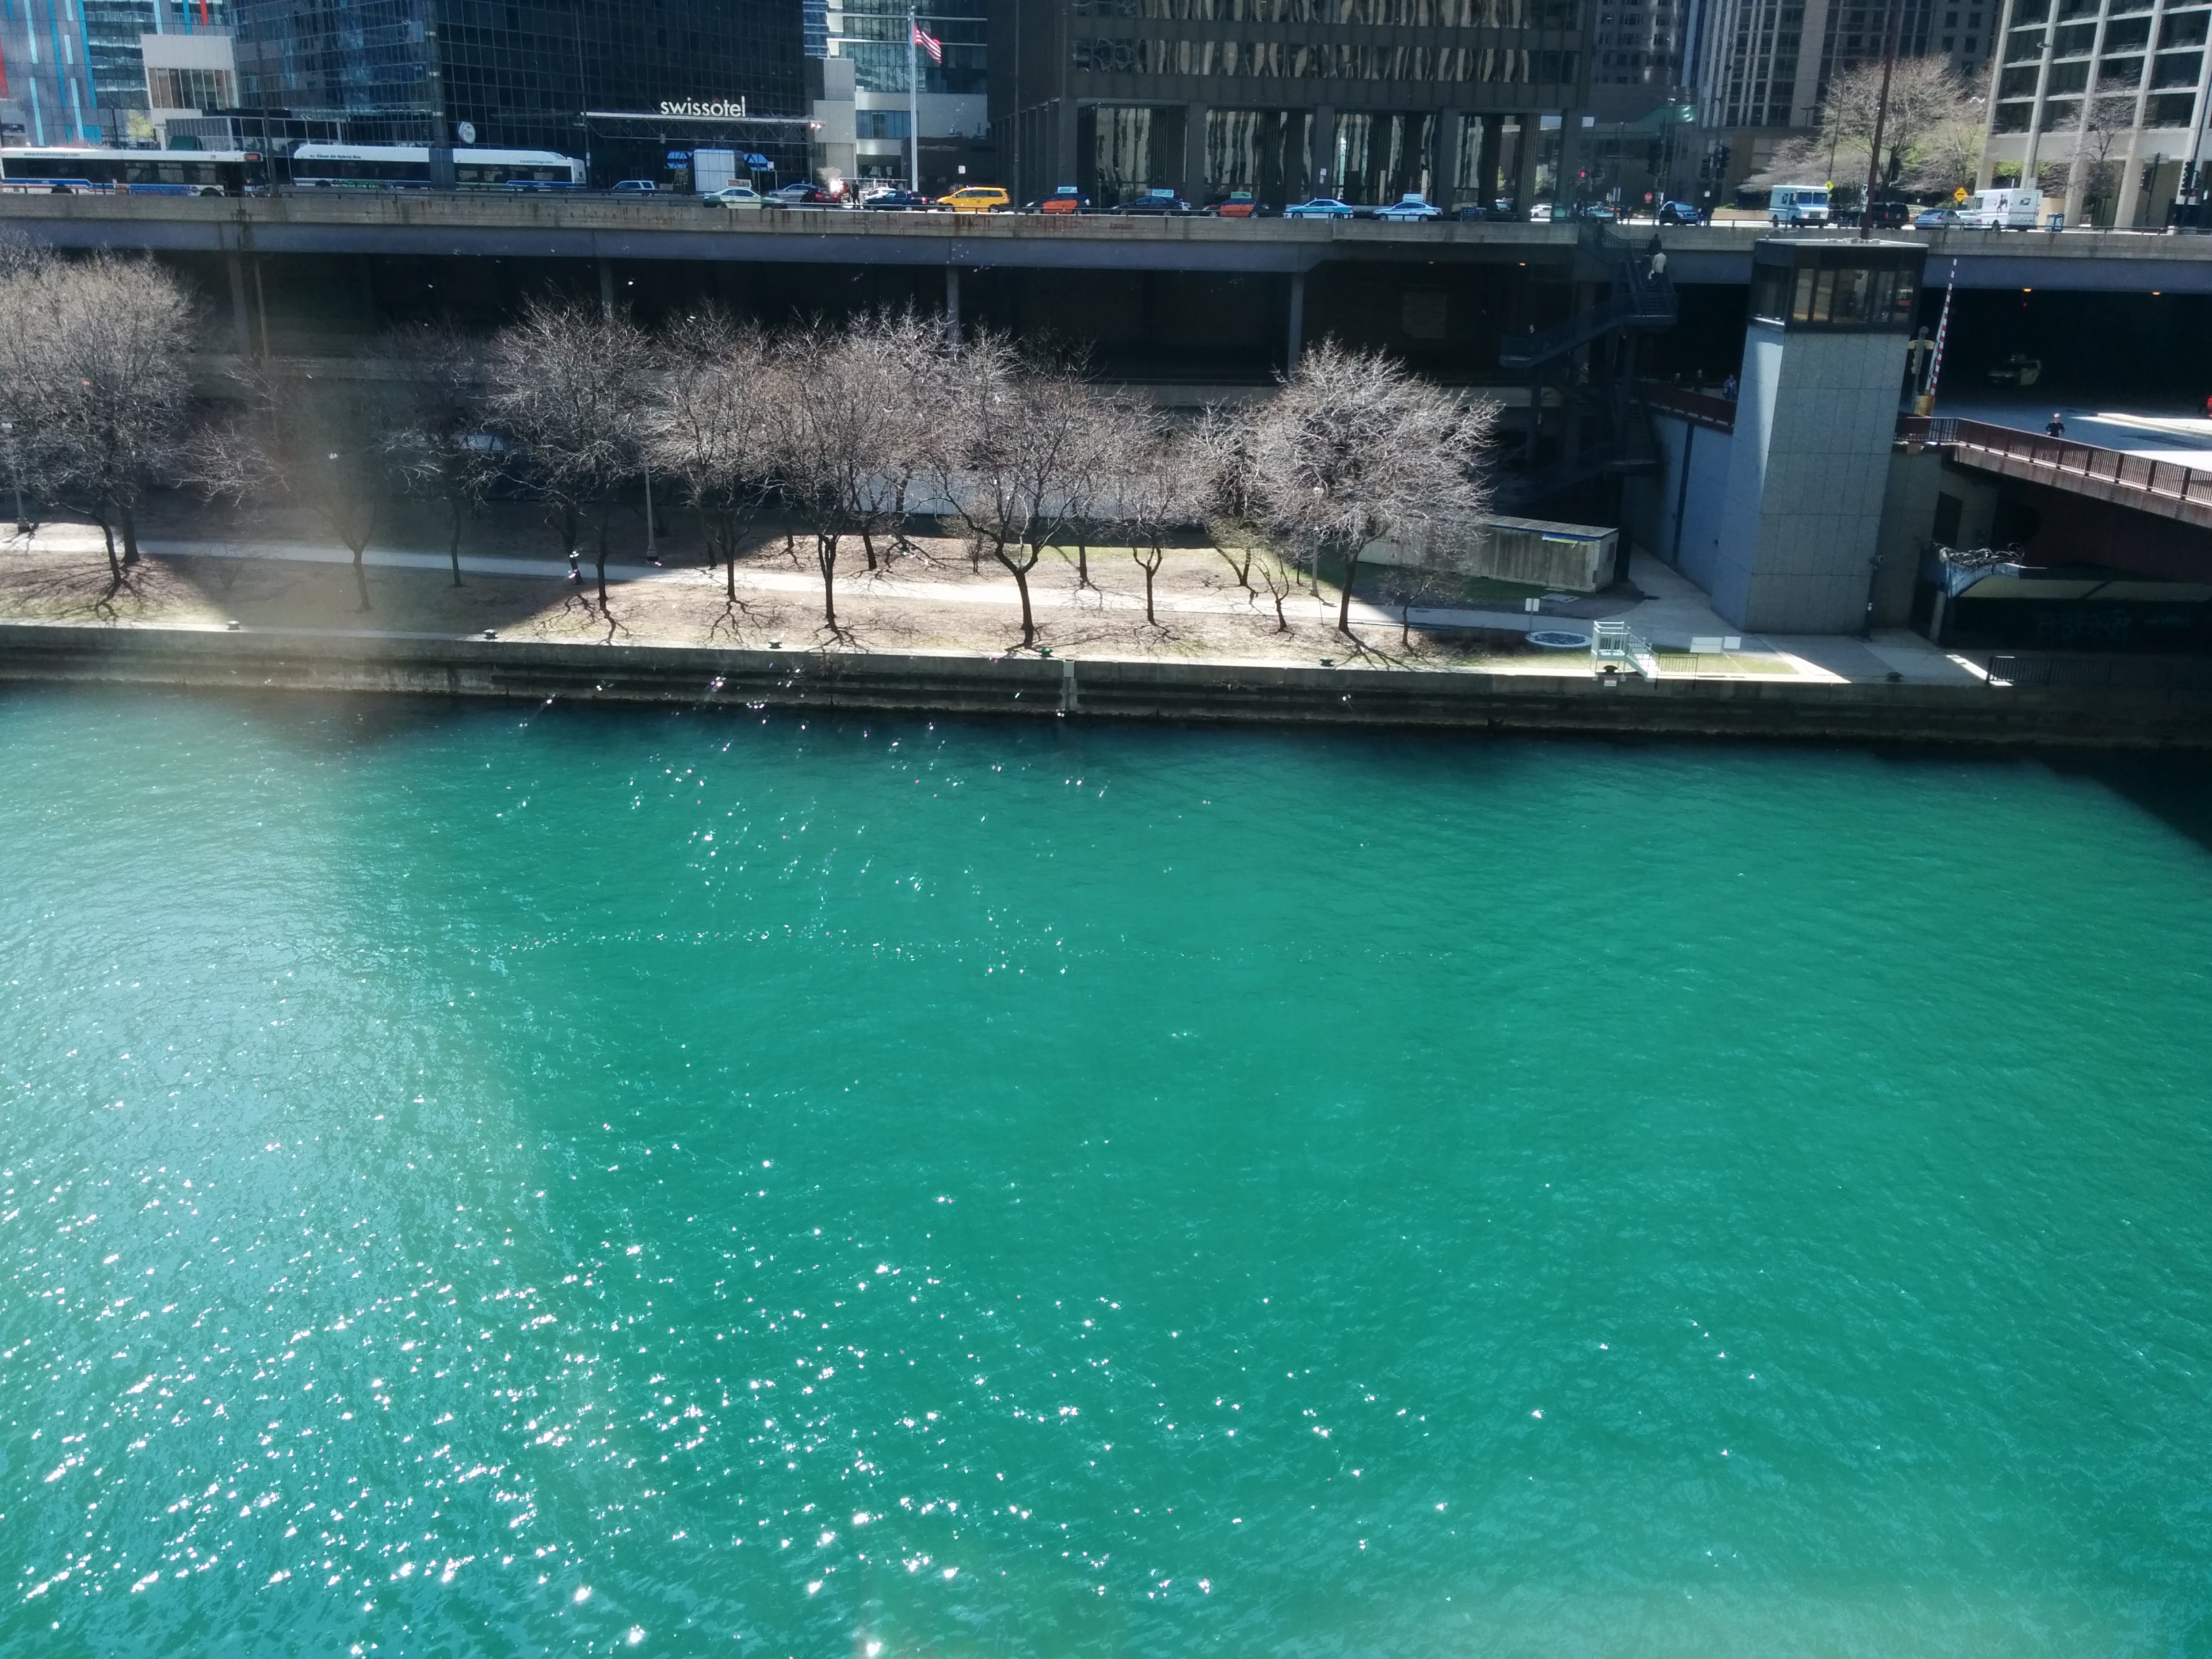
(914, 98)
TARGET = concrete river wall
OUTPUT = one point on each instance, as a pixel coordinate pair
(267, 660)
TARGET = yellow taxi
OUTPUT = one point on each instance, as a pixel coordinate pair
(977, 198)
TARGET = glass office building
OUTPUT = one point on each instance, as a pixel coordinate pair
(71, 73)
(524, 74)
(1363, 99)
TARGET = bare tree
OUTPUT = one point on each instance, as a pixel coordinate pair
(1355, 450)
(835, 415)
(92, 376)
(1224, 450)
(1018, 454)
(1280, 578)
(905, 348)
(1417, 575)
(294, 438)
(440, 449)
(570, 386)
(1151, 489)
(703, 426)
(2105, 119)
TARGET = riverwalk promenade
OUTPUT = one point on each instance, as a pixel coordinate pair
(933, 635)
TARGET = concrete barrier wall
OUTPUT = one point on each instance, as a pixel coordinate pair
(1047, 689)
(1573, 558)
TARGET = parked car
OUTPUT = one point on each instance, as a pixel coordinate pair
(735, 195)
(977, 198)
(1161, 202)
(1887, 213)
(896, 201)
(1067, 199)
(1237, 204)
(1410, 209)
(1321, 207)
(2019, 369)
(1937, 219)
(636, 188)
(804, 195)
(1679, 213)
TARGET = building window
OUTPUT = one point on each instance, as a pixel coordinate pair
(881, 123)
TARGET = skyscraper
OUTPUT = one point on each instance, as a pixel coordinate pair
(71, 73)
(1365, 98)
(517, 72)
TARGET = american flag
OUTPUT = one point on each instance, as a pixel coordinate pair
(929, 43)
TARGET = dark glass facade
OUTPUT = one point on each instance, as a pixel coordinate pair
(523, 74)
(872, 35)
(1365, 98)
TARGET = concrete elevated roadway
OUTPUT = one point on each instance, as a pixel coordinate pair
(593, 228)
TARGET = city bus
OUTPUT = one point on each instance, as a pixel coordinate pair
(407, 166)
(64, 170)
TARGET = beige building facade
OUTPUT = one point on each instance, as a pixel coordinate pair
(2103, 101)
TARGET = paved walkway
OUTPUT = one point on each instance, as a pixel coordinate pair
(1669, 613)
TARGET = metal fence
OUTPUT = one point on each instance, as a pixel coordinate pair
(2113, 673)
(2167, 480)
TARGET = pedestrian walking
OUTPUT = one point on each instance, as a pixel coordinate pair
(576, 562)
(2055, 427)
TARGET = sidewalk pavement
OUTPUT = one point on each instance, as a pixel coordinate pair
(1668, 610)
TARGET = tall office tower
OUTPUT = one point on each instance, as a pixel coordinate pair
(1362, 99)
(1768, 63)
(72, 73)
(1640, 54)
(519, 73)
(2104, 104)
(892, 81)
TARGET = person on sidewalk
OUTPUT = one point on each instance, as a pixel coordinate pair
(2055, 426)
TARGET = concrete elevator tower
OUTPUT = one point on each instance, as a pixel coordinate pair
(1816, 414)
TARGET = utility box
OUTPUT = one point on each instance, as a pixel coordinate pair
(713, 170)
(1816, 414)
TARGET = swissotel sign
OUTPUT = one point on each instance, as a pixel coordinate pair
(730, 108)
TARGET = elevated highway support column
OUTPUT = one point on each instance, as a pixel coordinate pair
(1443, 173)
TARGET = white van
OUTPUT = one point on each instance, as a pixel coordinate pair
(1798, 204)
(2001, 210)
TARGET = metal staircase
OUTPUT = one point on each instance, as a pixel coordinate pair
(1588, 361)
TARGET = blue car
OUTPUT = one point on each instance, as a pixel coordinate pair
(1321, 207)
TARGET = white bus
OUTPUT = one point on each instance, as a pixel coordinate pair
(1798, 204)
(407, 166)
(66, 170)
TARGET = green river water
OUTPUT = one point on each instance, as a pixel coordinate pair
(503, 1181)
